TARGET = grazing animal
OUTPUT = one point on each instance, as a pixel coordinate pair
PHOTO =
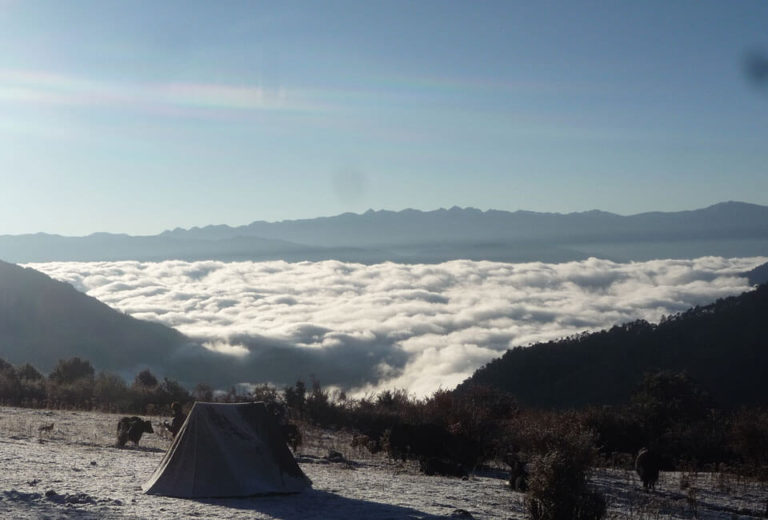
(406, 441)
(441, 466)
(178, 420)
(292, 435)
(430, 441)
(518, 473)
(131, 429)
(367, 442)
(360, 440)
(647, 467)
(45, 428)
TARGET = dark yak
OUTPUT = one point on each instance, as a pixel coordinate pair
(131, 429)
(437, 448)
(291, 435)
(518, 473)
(404, 441)
(647, 465)
(441, 466)
(373, 445)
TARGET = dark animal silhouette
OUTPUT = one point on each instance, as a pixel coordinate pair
(518, 473)
(45, 428)
(430, 442)
(405, 441)
(178, 419)
(647, 467)
(131, 429)
(367, 442)
(292, 435)
(441, 466)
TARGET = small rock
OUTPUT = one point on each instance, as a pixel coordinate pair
(334, 456)
(79, 498)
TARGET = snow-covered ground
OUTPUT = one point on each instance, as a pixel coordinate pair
(74, 471)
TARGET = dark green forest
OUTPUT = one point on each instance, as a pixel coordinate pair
(722, 346)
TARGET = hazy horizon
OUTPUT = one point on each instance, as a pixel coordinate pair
(390, 210)
(143, 117)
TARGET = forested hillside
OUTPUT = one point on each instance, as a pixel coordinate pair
(758, 275)
(722, 346)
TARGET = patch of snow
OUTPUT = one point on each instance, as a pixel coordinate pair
(75, 471)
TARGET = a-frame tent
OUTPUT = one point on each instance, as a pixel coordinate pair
(227, 450)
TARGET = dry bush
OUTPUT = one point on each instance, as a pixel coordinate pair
(557, 489)
(561, 455)
(481, 414)
(748, 438)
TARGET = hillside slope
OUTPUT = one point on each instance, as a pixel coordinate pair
(723, 346)
(758, 275)
(43, 320)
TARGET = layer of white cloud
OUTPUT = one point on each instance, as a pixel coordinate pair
(418, 327)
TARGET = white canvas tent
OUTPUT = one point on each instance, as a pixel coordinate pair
(227, 450)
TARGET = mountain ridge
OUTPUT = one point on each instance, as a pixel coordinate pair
(415, 236)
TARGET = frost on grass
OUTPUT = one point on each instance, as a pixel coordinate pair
(74, 471)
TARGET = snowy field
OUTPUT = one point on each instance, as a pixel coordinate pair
(74, 471)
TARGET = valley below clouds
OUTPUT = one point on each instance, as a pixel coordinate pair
(370, 327)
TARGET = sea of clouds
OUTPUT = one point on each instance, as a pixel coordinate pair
(371, 327)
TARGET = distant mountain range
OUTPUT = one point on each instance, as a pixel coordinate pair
(411, 236)
(722, 346)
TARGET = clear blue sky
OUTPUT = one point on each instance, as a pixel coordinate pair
(140, 116)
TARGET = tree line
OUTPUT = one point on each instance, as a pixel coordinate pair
(74, 384)
(668, 411)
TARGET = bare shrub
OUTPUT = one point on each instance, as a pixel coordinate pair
(749, 441)
(557, 485)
